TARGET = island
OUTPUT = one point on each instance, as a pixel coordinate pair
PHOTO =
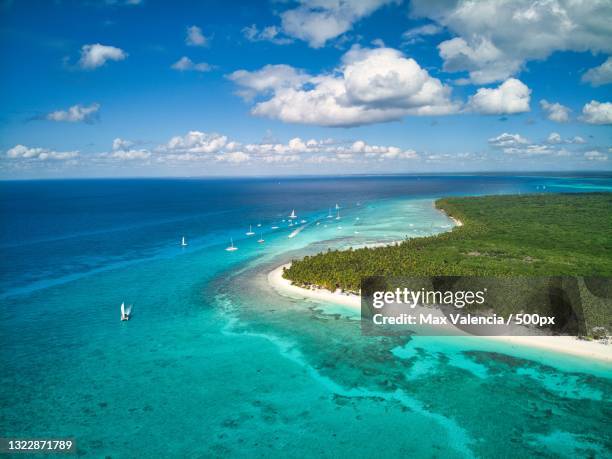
(513, 236)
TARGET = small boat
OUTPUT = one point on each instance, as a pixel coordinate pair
(250, 231)
(261, 239)
(275, 227)
(125, 312)
(231, 248)
(183, 242)
(318, 223)
(290, 224)
(259, 225)
(293, 214)
(302, 221)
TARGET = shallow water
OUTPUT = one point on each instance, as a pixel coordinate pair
(215, 363)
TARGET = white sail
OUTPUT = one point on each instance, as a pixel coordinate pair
(231, 248)
(293, 214)
(337, 206)
(183, 242)
(122, 309)
(250, 232)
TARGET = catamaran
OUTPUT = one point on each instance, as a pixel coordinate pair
(293, 214)
(231, 248)
(125, 312)
(261, 239)
(183, 242)
(250, 232)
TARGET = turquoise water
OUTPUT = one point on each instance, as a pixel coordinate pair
(215, 364)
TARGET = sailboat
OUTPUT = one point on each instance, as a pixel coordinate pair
(293, 214)
(337, 206)
(338, 216)
(231, 248)
(183, 242)
(125, 312)
(329, 214)
(250, 232)
(261, 239)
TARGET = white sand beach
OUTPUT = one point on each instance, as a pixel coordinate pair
(561, 344)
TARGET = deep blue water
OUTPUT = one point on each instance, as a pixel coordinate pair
(224, 364)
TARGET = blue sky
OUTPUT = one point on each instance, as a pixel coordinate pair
(151, 88)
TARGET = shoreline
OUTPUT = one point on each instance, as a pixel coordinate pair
(567, 345)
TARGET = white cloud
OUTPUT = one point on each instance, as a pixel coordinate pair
(597, 112)
(267, 79)
(595, 155)
(195, 142)
(554, 137)
(318, 21)
(185, 64)
(416, 33)
(599, 75)
(555, 111)
(512, 96)
(74, 114)
(371, 85)
(270, 33)
(128, 155)
(496, 37)
(23, 152)
(507, 140)
(121, 144)
(517, 145)
(96, 55)
(233, 157)
(195, 37)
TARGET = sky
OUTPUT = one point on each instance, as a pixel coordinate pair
(131, 88)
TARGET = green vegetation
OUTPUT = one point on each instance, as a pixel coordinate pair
(529, 235)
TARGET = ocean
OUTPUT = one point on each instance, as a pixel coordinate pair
(214, 363)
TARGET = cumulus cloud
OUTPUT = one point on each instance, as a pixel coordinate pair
(512, 96)
(555, 138)
(121, 144)
(494, 38)
(318, 21)
(42, 154)
(271, 33)
(75, 113)
(370, 85)
(507, 140)
(517, 145)
(195, 37)
(599, 75)
(199, 146)
(185, 64)
(96, 55)
(195, 142)
(267, 79)
(597, 112)
(233, 157)
(555, 111)
(595, 155)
